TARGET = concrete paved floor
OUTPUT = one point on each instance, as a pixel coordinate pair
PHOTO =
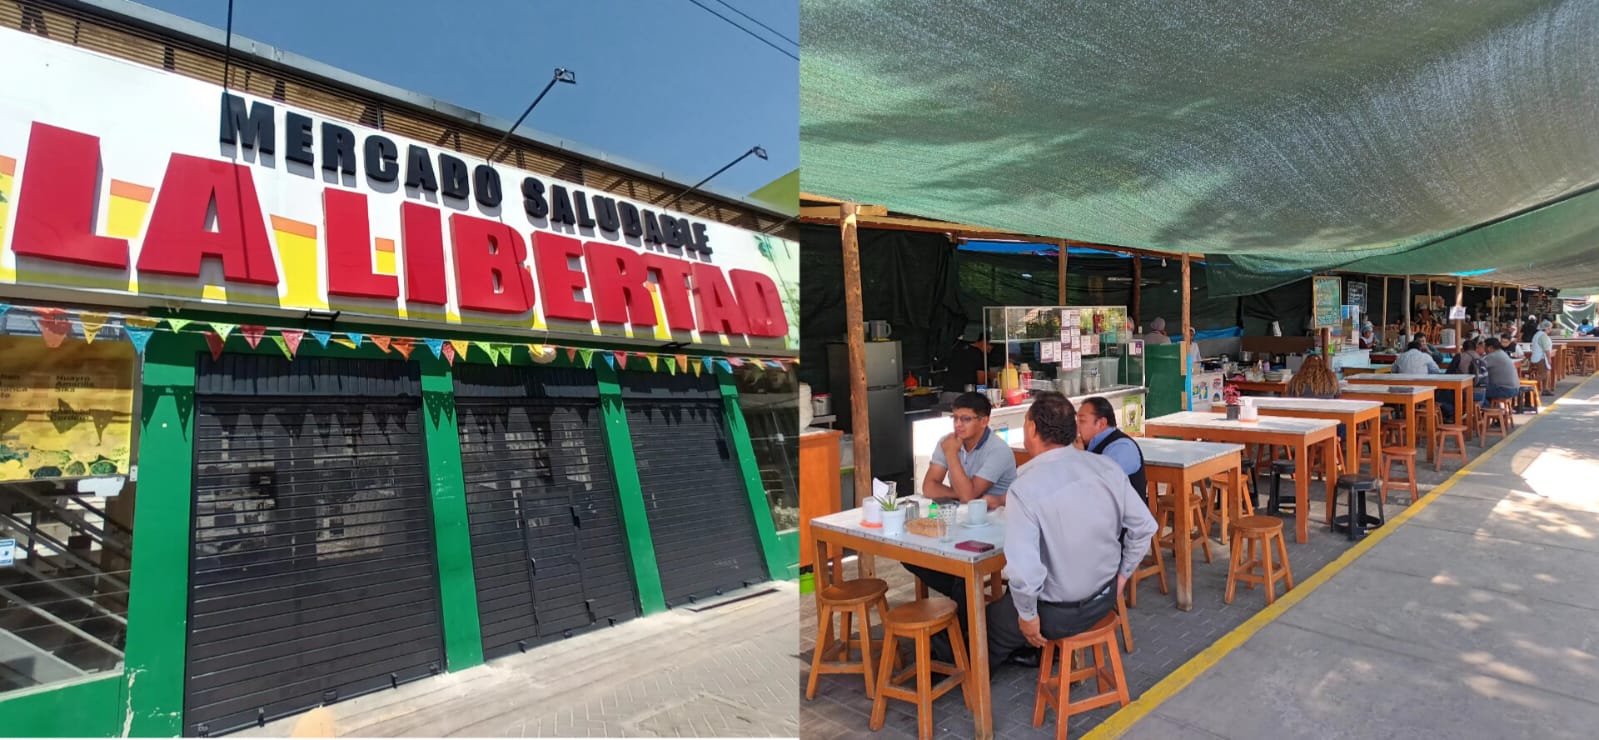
(1164, 638)
(724, 672)
(1479, 617)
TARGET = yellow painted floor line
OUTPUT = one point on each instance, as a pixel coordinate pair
(1123, 720)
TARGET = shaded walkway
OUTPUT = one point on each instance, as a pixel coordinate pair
(1477, 617)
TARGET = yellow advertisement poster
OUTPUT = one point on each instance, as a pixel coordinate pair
(65, 412)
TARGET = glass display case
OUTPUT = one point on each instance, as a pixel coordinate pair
(1077, 350)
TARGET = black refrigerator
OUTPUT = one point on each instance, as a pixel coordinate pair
(885, 402)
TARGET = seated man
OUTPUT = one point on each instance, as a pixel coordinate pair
(1075, 530)
(1502, 381)
(1415, 360)
(978, 465)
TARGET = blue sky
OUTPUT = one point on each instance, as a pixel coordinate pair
(661, 83)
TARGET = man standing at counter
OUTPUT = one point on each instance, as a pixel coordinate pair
(978, 465)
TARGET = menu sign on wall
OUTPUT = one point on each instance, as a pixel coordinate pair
(1327, 301)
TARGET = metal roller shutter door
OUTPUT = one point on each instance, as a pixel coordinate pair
(549, 553)
(312, 575)
(699, 509)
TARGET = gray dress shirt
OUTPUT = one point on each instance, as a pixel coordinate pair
(1064, 515)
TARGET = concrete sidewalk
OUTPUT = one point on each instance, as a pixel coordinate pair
(729, 671)
(1478, 617)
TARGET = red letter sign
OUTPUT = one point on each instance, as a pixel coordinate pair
(179, 237)
(672, 282)
(617, 277)
(757, 294)
(490, 266)
(55, 210)
(557, 279)
(349, 246)
(719, 312)
(422, 240)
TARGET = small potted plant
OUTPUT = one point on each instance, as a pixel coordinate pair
(1230, 396)
(893, 515)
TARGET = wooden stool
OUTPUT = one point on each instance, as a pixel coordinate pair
(1446, 432)
(918, 621)
(1054, 687)
(1153, 565)
(1368, 450)
(1251, 549)
(1391, 455)
(1393, 432)
(1488, 417)
(1196, 513)
(847, 599)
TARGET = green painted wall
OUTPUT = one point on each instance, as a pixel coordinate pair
(788, 543)
(158, 605)
(463, 634)
(777, 563)
(88, 707)
(635, 516)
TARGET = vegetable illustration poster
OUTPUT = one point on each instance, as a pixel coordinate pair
(65, 412)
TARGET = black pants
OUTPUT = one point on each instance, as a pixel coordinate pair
(1005, 631)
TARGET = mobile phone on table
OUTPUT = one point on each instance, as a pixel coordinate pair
(974, 546)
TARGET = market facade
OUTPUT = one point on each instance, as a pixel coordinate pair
(393, 409)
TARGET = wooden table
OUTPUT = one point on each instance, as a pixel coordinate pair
(1349, 412)
(1416, 400)
(1180, 465)
(1370, 367)
(1460, 383)
(837, 532)
(1578, 345)
(1259, 386)
(1296, 434)
(820, 482)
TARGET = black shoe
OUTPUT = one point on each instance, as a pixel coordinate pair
(1027, 657)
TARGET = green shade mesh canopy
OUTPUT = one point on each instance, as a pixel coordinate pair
(1286, 138)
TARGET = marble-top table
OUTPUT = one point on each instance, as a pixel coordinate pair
(1460, 383)
(1179, 464)
(1349, 412)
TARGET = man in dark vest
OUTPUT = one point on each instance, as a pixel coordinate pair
(1097, 433)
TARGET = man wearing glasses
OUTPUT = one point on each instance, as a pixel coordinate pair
(977, 465)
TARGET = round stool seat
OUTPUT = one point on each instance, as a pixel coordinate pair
(1257, 524)
(858, 590)
(1193, 499)
(1249, 464)
(922, 614)
(1283, 467)
(1399, 451)
(1451, 428)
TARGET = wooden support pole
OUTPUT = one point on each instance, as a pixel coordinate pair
(1187, 304)
(1408, 330)
(1460, 297)
(1382, 326)
(1138, 289)
(855, 324)
(1060, 277)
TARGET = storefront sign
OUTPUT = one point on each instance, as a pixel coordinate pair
(65, 412)
(148, 183)
(1327, 301)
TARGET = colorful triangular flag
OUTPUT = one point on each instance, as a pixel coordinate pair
(461, 346)
(588, 357)
(355, 336)
(696, 367)
(138, 336)
(215, 342)
(4, 307)
(449, 353)
(404, 345)
(726, 366)
(708, 367)
(143, 322)
(621, 358)
(506, 351)
(177, 324)
(54, 326)
(382, 342)
(437, 345)
(655, 362)
(91, 324)
(682, 362)
(671, 366)
(610, 360)
(321, 337)
(283, 346)
(488, 349)
(571, 355)
(223, 330)
(734, 361)
(291, 339)
(252, 334)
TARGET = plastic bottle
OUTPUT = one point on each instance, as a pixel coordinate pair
(932, 510)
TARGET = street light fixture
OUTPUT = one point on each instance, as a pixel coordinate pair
(755, 150)
(562, 74)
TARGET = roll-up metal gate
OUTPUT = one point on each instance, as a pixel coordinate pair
(548, 550)
(694, 491)
(313, 576)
